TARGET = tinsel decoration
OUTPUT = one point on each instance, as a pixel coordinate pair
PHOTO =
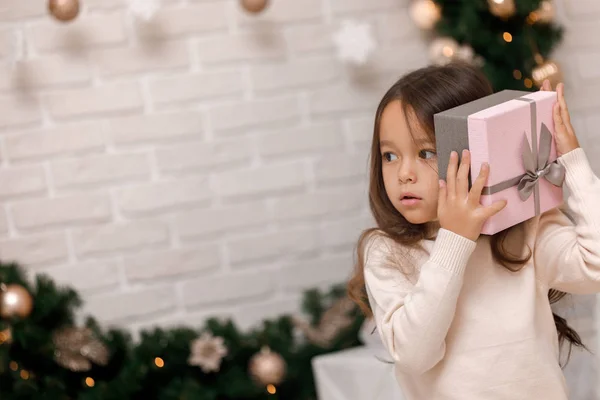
(76, 349)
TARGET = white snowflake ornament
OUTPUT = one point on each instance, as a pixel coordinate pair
(355, 42)
(207, 352)
(144, 9)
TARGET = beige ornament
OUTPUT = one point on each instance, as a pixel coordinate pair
(207, 352)
(502, 8)
(425, 13)
(254, 6)
(332, 322)
(267, 367)
(64, 10)
(77, 348)
(15, 301)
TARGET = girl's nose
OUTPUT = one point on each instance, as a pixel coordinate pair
(406, 172)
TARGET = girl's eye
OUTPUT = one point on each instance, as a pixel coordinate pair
(387, 156)
(427, 154)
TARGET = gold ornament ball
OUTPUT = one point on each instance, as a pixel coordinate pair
(425, 13)
(254, 6)
(15, 300)
(64, 10)
(547, 70)
(502, 8)
(267, 367)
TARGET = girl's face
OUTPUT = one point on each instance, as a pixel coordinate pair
(409, 165)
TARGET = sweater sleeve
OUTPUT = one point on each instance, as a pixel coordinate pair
(567, 250)
(413, 318)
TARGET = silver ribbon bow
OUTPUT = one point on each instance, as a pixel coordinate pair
(553, 172)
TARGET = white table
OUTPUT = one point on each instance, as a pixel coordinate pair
(356, 374)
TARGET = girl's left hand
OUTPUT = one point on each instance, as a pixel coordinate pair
(564, 133)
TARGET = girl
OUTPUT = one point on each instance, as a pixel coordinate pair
(463, 316)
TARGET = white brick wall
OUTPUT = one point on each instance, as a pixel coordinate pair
(210, 162)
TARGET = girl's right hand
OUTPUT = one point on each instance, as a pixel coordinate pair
(459, 209)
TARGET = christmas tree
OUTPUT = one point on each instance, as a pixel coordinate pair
(43, 355)
(511, 40)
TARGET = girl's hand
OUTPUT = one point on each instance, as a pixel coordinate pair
(564, 133)
(459, 209)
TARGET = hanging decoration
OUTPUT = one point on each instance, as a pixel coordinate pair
(64, 10)
(77, 348)
(354, 42)
(267, 367)
(502, 8)
(425, 13)
(254, 6)
(332, 322)
(207, 352)
(144, 9)
(546, 70)
(15, 301)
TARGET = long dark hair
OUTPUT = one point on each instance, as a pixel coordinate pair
(427, 91)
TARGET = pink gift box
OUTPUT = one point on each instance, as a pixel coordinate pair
(494, 129)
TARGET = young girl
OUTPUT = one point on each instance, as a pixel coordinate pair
(466, 316)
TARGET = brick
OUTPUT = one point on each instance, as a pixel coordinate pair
(586, 99)
(582, 35)
(238, 218)
(156, 127)
(87, 277)
(586, 67)
(230, 289)
(136, 304)
(256, 113)
(360, 6)
(343, 98)
(62, 140)
(286, 244)
(109, 98)
(394, 26)
(19, 111)
(387, 64)
(17, 10)
(9, 40)
(251, 315)
(3, 222)
(301, 73)
(242, 47)
(35, 250)
(61, 211)
(44, 72)
(138, 59)
(325, 203)
(303, 39)
(344, 233)
(270, 179)
(208, 157)
(360, 132)
(581, 9)
(22, 181)
(317, 138)
(163, 196)
(321, 272)
(198, 86)
(172, 263)
(93, 170)
(180, 21)
(282, 12)
(342, 167)
(123, 237)
(104, 4)
(86, 32)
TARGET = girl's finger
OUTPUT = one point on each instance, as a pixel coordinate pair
(442, 195)
(494, 208)
(564, 111)
(558, 121)
(546, 86)
(451, 174)
(479, 184)
(462, 178)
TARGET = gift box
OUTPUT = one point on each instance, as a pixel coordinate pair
(513, 131)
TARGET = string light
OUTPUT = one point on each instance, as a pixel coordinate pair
(517, 74)
(24, 374)
(159, 362)
(90, 381)
(13, 365)
(271, 389)
(507, 37)
(528, 83)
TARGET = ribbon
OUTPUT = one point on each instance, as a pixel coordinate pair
(536, 164)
